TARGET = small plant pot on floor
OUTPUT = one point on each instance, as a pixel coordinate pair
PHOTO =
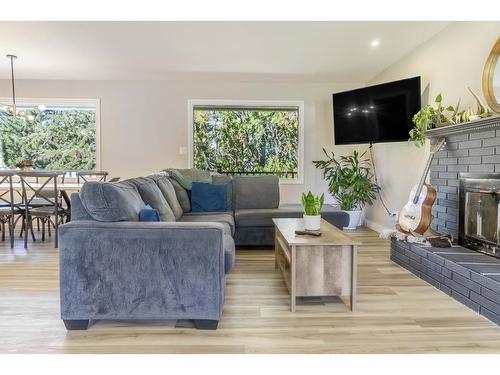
(354, 219)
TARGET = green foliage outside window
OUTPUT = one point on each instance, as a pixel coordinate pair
(52, 139)
(247, 141)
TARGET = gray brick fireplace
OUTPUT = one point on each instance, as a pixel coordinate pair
(473, 149)
(470, 277)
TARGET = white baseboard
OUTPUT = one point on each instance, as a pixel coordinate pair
(375, 226)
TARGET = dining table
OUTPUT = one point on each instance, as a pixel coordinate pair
(70, 187)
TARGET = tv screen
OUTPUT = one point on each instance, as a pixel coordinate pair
(380, 113)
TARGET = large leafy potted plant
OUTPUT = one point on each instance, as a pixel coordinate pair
(350, 182)
(312, 210)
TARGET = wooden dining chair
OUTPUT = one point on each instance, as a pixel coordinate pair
(47, 182)
(84, 176)
(8, 206)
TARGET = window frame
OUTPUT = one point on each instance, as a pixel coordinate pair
(96, 102)
(299, 104)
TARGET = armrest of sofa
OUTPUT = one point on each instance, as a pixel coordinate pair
(141, 270)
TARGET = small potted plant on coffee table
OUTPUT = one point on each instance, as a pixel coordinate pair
(312, 210)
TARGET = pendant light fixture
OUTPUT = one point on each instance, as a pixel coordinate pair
(14, 109)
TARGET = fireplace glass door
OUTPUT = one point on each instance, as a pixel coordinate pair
(481, 216)
(479, 220)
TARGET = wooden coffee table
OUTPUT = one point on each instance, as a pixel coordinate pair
(316, 266)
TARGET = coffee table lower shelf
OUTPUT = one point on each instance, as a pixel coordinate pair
(316, 269)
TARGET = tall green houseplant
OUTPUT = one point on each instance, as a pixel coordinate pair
(350, 180)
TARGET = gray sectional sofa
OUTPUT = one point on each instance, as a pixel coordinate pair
(113, 266)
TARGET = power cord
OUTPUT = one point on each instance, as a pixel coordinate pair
(391, 214)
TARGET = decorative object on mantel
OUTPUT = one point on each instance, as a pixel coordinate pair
(489, 123)
(491, 75)
(312, 205)
(431, 118)
(350, 182)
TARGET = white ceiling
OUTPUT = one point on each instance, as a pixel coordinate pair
(339, 51)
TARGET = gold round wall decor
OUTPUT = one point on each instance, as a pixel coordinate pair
(491, 78)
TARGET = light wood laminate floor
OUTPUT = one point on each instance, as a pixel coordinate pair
(397, 313)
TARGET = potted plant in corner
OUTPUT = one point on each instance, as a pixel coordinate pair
(349, 182)
(312, 210)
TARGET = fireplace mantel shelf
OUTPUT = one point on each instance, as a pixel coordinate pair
(488, 123)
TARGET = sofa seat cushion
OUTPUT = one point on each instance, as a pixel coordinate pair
(264, 217)
(229, 253)
(106, 201)
(217, 217)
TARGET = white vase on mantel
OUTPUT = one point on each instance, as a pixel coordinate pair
(312, 222)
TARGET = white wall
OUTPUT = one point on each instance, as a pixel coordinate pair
(143, 123)
(448, 63)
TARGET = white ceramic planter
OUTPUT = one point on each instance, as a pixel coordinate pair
(354, 219)
(312, 222)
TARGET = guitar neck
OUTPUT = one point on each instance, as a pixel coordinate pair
(424, 176)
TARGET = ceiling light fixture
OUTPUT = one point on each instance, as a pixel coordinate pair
(12, 107)
(375, 43)
(12, 58)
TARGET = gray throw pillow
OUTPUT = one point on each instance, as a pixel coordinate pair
(152, 195)
(169, 194)
(182, 196)
(105, 201)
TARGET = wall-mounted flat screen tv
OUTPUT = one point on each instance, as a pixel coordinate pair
(380, 113)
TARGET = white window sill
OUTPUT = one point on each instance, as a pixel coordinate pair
(286, 181)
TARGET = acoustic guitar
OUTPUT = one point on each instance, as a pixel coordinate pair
(416, 215)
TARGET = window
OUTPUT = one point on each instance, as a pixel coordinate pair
(52, 134)
(247, 138)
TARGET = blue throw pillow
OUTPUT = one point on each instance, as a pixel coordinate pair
(148, 213)
(208, 198)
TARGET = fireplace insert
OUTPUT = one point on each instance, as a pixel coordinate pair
(479, 220)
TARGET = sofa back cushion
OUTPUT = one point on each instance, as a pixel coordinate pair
(182, 195)
(256, 192)
(106, 201)
(152, 195)
(169, 194)
(186, 177)
(78, 211)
